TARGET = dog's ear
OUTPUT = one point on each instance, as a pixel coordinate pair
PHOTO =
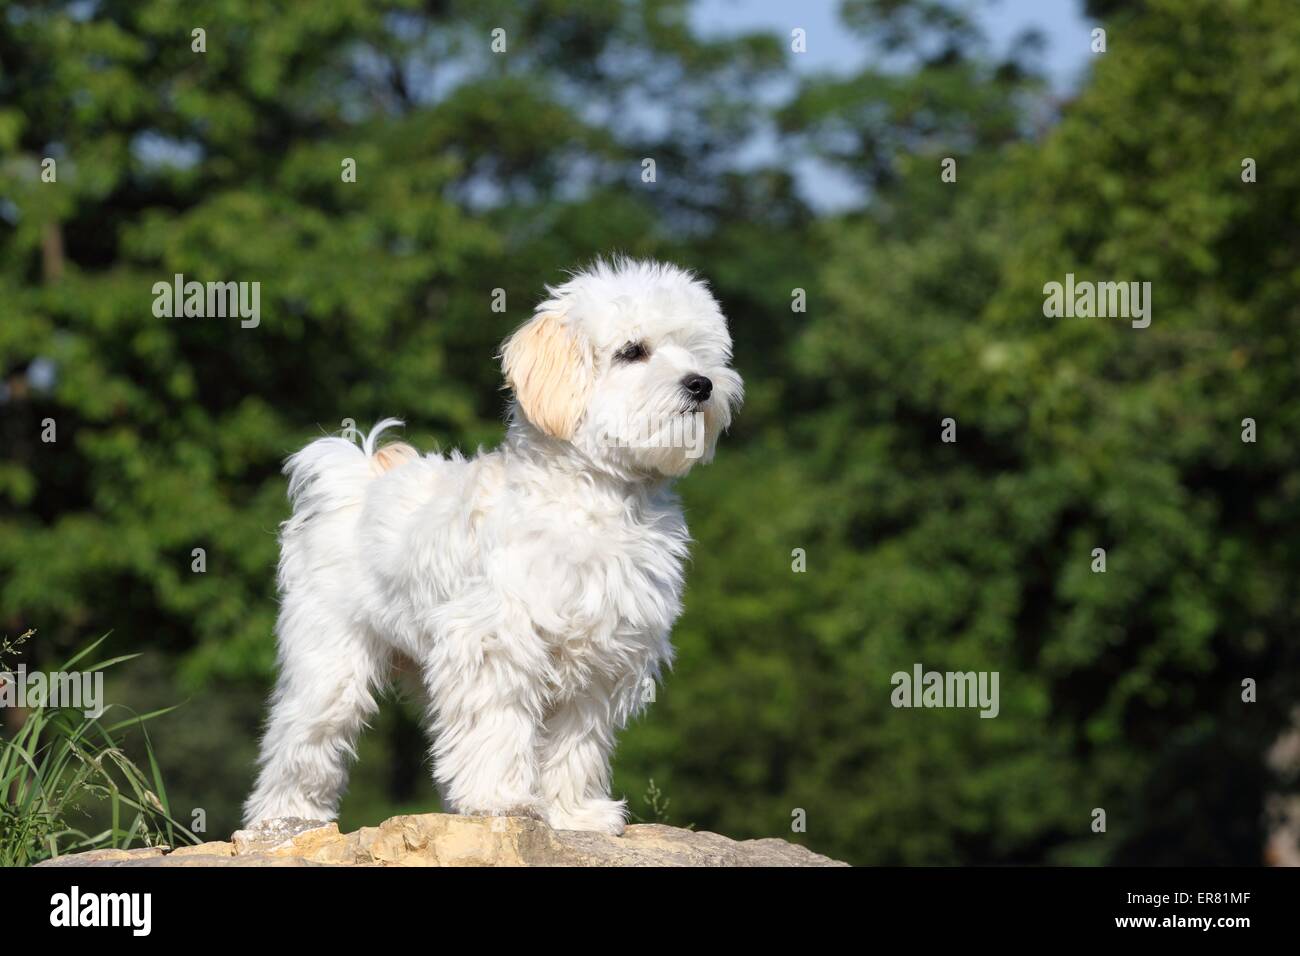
(548, 363)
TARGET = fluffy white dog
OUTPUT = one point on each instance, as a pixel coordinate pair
(534, 586)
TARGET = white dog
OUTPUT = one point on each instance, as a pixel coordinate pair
(535, 586)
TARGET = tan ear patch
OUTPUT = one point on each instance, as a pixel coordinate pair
(549, 368)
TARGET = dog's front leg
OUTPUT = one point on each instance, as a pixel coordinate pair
(487, 696)
(576, 748)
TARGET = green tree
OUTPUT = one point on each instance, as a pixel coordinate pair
(1120, 690)
(478, 171)
(221, 157)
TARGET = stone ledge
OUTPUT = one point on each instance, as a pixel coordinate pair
(440, 839)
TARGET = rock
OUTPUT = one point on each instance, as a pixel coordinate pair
(276, 836)
(107, 857)
(441, 839)
(219, 848)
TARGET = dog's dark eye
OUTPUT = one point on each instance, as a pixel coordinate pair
(632, 352)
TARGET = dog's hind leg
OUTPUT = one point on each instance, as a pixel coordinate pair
(324, 695)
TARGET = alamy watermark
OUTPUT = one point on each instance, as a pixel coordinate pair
(76, 690)
(1103, 300)
(221, 300)
(922, 688)
(658, 431)
(133, 911)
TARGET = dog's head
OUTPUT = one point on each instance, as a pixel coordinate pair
(629, 362)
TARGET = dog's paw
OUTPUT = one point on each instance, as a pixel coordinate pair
(529, 809)
(601, 816)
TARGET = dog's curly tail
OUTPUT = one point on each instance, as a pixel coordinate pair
(331, 473)
(368, 443)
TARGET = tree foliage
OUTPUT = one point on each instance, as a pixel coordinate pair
(478, 171)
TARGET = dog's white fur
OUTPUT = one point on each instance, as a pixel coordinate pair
(535, 586)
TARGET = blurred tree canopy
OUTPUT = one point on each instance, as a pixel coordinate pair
(479, 171)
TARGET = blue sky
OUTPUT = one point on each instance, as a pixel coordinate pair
(830, 48)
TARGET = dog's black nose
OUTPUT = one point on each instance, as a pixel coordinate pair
(699, 387)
